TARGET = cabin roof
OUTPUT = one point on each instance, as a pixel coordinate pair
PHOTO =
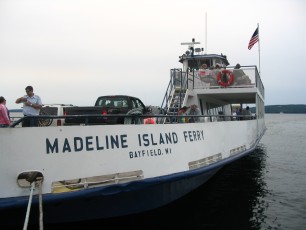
(203, 56)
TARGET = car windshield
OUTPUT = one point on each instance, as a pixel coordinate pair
(113, 102)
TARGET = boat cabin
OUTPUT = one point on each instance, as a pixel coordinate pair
(208, 81)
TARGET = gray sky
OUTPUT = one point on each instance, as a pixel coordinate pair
(72, 51)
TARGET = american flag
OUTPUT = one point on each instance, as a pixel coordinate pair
(254, 39)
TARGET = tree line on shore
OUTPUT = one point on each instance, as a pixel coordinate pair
(283, 109)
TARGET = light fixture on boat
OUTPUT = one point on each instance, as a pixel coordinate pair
(198, 50)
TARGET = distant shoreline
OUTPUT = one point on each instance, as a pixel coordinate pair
(288, 109)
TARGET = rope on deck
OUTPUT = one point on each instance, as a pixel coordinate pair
(26, 221)
(41, 223)
(35, 180)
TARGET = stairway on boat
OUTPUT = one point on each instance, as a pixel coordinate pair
(176, 100)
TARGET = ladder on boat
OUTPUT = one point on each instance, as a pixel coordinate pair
(175, 96)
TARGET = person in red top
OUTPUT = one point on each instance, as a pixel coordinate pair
(4, 115)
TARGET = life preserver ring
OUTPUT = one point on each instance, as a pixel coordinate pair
(229, 78)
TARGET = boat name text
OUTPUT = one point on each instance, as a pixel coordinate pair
(100, 143)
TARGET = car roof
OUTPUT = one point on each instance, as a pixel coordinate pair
(56, 105)
(107, 96)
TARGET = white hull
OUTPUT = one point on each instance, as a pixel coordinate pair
(143, 148)
(67, 164)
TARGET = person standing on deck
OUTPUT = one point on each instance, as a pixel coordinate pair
(248, 113)
(194, 110)
(31, 106)
(4, 114)
(182, 115)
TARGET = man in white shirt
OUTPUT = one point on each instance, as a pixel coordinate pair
(31, 106)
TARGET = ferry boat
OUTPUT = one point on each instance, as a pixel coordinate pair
(60, 174)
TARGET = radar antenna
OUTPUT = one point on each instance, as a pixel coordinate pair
(190, 44)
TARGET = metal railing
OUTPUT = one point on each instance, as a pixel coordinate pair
(158, 118)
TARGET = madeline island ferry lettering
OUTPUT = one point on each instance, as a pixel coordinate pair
(100, 143)
(88, 143)
(190, 136)
(148, 139)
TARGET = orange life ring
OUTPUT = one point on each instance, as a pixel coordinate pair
(229, 78)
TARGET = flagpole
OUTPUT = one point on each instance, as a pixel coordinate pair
(258, 48)
(205, 51)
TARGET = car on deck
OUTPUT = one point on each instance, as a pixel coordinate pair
(53, 110)
(113, 107)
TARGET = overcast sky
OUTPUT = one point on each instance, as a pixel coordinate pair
(72, 51)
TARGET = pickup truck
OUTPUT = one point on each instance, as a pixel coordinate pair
(53, 110)
(105, 105)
